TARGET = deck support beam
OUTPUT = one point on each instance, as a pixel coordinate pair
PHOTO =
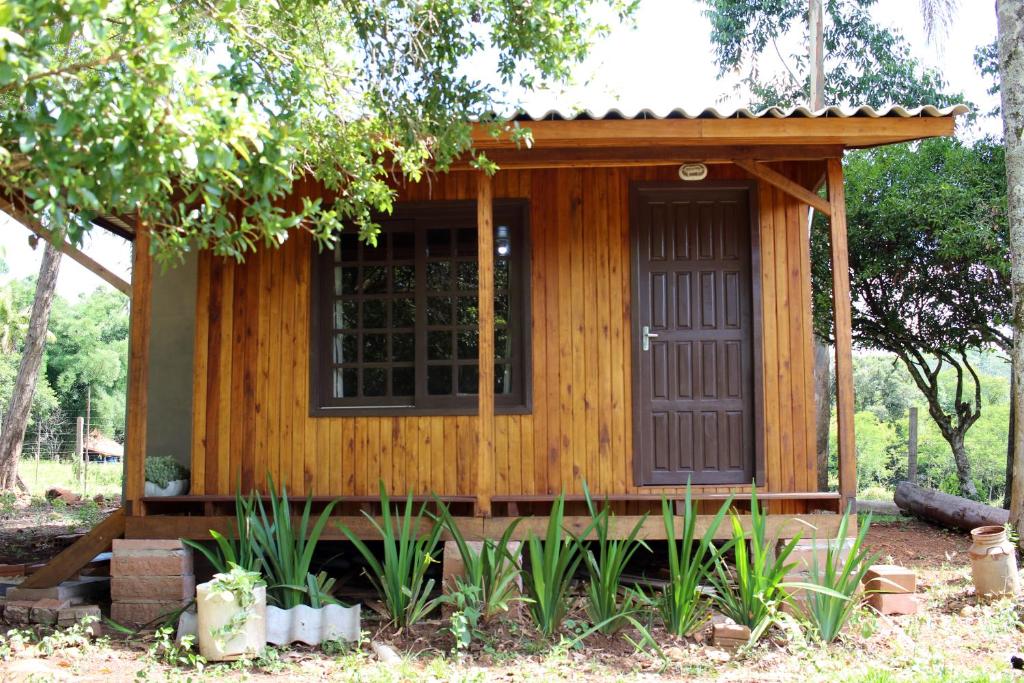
(790, 187)
(841, 305)
(485, 322)
(138, 372)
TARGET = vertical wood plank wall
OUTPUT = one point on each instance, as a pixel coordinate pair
(252, 360)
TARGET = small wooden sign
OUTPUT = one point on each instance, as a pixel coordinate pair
(693, 172)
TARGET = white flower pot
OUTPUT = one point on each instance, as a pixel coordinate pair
(312, 626)
(215, 610)
(178, 487)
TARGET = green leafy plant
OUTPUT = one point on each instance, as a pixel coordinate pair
(492, 570)
(464, 623)
(548, 574)
(608, 603)
(751, 594)
(240, 585)
(683, 604)
(168, 651)
(286, 552)
(400, 578)
(162, 470)
(827, 611)
(240, 549)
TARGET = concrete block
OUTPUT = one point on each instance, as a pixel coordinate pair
(149, 588)
(894, 603)
(83, 589)
(888, 578)
(143, 613)
(144, 544)
(730, 635)
(805, 552)
(69, 616)
(152, 563)
(452, 566)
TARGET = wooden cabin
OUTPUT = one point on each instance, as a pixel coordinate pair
(598, 311)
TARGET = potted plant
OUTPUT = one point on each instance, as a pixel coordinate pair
(232, 615)
(165, 476)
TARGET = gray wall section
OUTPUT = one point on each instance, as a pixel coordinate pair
(171, 343)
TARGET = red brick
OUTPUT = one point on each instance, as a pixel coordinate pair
(152, 563)
(142, 613)
(894, 603)
(889, 578)
(150, 588)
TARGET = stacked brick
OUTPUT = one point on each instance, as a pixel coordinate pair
(891, 589)
(149, 579)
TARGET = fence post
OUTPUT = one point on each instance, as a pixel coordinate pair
(912, 448)
(80, 449)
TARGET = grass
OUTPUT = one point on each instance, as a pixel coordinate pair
(103, 477)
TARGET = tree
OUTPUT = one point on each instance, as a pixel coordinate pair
(1010, 14)
(17, 415)
(929, 273)
(200, 117)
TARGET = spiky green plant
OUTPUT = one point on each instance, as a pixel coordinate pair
(683, 604)
(548, 574)
(828, 610)
(286, 553)
(489, 584)
(238, 550)
(609, 605)
(400, 579)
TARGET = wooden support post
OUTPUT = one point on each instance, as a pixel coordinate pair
(846, 443)
(912, 447)
(485, 261)
(138, 372)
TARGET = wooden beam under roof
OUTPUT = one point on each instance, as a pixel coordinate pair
(787, 185)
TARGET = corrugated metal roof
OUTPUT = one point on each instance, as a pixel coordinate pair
(895, 111)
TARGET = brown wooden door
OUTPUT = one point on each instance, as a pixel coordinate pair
(693, 384)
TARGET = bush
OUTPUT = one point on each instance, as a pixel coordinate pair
(162, 470)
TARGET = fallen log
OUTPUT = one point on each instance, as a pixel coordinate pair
(878, 507)
(948, 510)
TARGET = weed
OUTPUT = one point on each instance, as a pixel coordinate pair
(8, 504)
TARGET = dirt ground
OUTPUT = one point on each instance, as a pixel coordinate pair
(954, 638)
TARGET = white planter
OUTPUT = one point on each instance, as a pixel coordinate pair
(178, 487)
(215, 610)
(312, 626)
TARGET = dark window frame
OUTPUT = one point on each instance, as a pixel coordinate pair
(427, 215)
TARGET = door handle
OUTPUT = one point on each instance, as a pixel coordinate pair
(646, 336)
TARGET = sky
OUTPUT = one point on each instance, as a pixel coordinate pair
(663, 62)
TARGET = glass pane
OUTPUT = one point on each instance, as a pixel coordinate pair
(404, 278)
(403, 348)
(467, 310)
(468, 344)
(469, 379)
(375, 381)
(466, 275)
(403, 246)
(501, 309)
(503, 343)
(439, 380)
(345, 348)
(375, 313)
(439, 243)
(403, 313)
(439, 345)
(467, 242)
(375, 279)
(439, 276)
(502, 379)
(376, 253)
(345, 280)
(345, 314)
(346, 382)
(347, 248)
(439, 310)
(375, 348)
(403, 382)
(501, 273)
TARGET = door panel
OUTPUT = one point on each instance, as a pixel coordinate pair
(694, 384)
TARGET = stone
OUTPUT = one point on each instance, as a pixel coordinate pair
(893, 603)
(730, 635)
(99, 499)
(148, 588)
(65, 495)
(889, 578)
(143, 613)
(18, 611)
(83, 589)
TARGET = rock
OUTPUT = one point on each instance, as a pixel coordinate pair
(65, 495)
(385, 653)
(99, 499)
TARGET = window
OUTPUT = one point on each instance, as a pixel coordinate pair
(395, 326)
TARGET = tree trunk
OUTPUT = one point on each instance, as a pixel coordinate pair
(963, 465)
(1010, 16)
(1011, 429)
(947, 510)
(16, 418)
(822, 409)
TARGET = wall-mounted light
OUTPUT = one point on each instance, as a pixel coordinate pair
(502, 244)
